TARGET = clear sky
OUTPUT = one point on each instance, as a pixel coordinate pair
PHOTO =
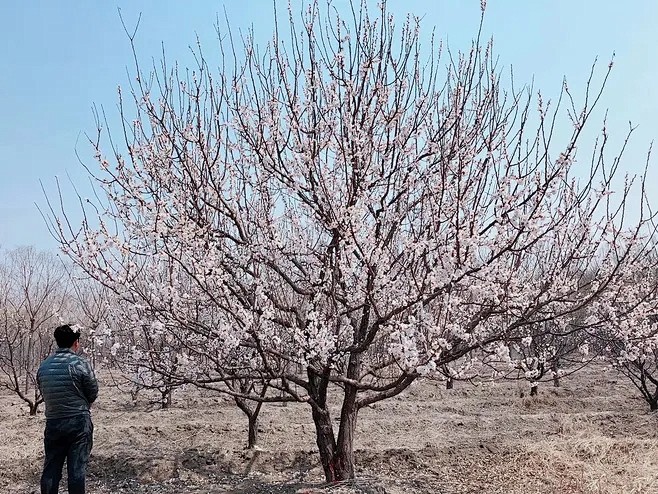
(61, 57)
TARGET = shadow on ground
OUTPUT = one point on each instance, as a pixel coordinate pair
(209, 472)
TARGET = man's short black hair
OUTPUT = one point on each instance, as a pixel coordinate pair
(65, 336)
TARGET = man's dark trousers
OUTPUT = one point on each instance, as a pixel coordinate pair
(67, 439)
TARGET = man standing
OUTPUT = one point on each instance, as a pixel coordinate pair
(69, 387)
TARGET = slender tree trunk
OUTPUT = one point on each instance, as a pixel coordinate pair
(653, 404)
(449, 379)
(556, 377)
(535, 385)
(252, 419)
(166, 398)
(33, 405)
(252, 439)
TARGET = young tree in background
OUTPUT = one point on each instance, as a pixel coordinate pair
(159, 349)
(543, 352)
(337, 194)
(34, 297)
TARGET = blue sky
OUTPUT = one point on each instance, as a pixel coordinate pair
(60, 58)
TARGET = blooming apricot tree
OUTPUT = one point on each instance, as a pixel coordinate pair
(348, 212)
(628, 331)
(540, 357)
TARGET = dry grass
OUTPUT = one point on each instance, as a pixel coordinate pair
(594, 462)
(593, 435)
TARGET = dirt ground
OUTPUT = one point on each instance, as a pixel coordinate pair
(594, 434)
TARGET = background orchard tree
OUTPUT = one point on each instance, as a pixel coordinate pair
(472, 367)
(148, 347)
(545, 353)
(629, 335)
(90, 305)
(641, 368)
(196, 351)
(140, 354)
(341, 192)
(34, 299)
(232, 372)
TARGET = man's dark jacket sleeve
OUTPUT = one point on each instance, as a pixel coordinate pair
(89, 382)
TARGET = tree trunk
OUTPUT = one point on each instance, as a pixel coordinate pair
(533, 390)
(653, 404)
(556, 377)
(324, 437)
(449, 383)
(252, 419)
(252, 439)
(33, 405)
(348, 415)
(166, 398)
(337, 458)
(344, 469)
